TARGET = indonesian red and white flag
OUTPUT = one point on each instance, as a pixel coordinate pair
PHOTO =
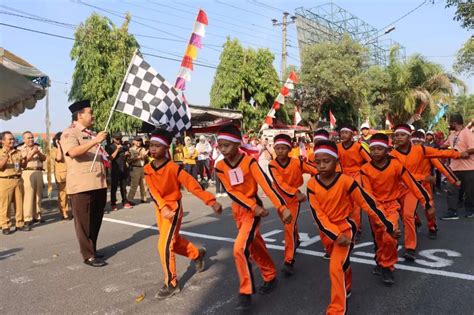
(297, 117)
(280, 100)
(332, 120)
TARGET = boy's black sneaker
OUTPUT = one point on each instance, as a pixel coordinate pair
(409, 255)
(288, 269)
(469, 215)
(387, 276)
(245, 302)
(6, 231)
(450, 216)
(432, 234)
(268, 286)
(200, 263)
(167, 291)
(377, 271)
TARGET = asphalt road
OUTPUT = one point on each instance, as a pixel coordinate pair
(42, 272)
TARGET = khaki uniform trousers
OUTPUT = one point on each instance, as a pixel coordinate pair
(62, 199)
(11, 190)
(33, 183)
(136, 180)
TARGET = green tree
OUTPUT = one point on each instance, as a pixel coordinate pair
(464, 12)
(102, 53)
(413, 83)
(245, 80)
(465, 58)
(464, 104)
(334, 77)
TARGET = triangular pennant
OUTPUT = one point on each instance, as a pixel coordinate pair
(202, 17)
(284, 91)
(187, 63)
(280, 99)
(199, 29)
(191, 51)
(195, 40)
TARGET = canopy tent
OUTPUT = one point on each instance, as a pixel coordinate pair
(206, 119)
(21, 85)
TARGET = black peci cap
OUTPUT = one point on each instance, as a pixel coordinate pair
(77, 106)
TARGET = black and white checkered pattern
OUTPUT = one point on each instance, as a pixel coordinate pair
(147, 96)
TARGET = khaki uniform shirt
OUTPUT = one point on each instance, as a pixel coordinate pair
(134, 153)
(59, 167)
(13, 166)
(35, 162)
(79, 178)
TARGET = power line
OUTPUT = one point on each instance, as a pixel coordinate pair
(405, 15)
(35, 31)
(261, 4)
(241, 9)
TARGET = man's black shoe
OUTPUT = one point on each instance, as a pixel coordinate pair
(167, 291)
(409, 255)
(24, 228)
(288, 269)
(245, 302)
(99, 255)
(432, 234)
(6, 231)
(95, 262)
(450, 216)
(200, 263)
(268, 287)
(387, 276)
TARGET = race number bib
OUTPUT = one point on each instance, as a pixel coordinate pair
(236, 176)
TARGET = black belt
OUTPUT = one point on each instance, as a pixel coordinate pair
(34, 169)
(11, 177)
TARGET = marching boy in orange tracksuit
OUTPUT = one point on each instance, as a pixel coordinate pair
(241, 175)
(418, 137)
(352, 156)
(383, 178)
(287, 174)
(412, 157)
(331, 197)
(164, 179)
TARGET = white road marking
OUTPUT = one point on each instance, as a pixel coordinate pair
(265, 236)
(306, 240)
(443, 273)
(111, 288)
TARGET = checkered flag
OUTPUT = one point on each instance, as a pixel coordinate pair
(147, 96)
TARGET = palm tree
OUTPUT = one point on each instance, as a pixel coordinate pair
(418, 84)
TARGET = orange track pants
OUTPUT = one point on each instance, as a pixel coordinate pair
(340, 273)
(171, 243)
(386, 254)
(431, 221)
(291, 231)
(409, 204)
(249, 245)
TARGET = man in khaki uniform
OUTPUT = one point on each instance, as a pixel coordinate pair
(87, 189)
(32, 179)
(11, 183)
(59, 163)
(137, 159)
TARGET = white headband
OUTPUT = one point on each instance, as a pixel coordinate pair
(346, 129)
(417, 139)
(160, 140)
(321, 137)
(322, 150)
(374, 143)
(229, 138)
(403, 131)
(282, 142)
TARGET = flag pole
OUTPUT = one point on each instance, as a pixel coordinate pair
(114, 105)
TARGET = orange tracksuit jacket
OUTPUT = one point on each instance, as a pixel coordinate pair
(287, 179)
(413, 162)
(331, 207)
(351, 159)
(241, 183)
(385, 184)
(164, 184)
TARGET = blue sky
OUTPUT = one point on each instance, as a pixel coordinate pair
(430, 31)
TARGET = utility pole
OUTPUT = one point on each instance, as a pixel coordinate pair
(284, 43)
